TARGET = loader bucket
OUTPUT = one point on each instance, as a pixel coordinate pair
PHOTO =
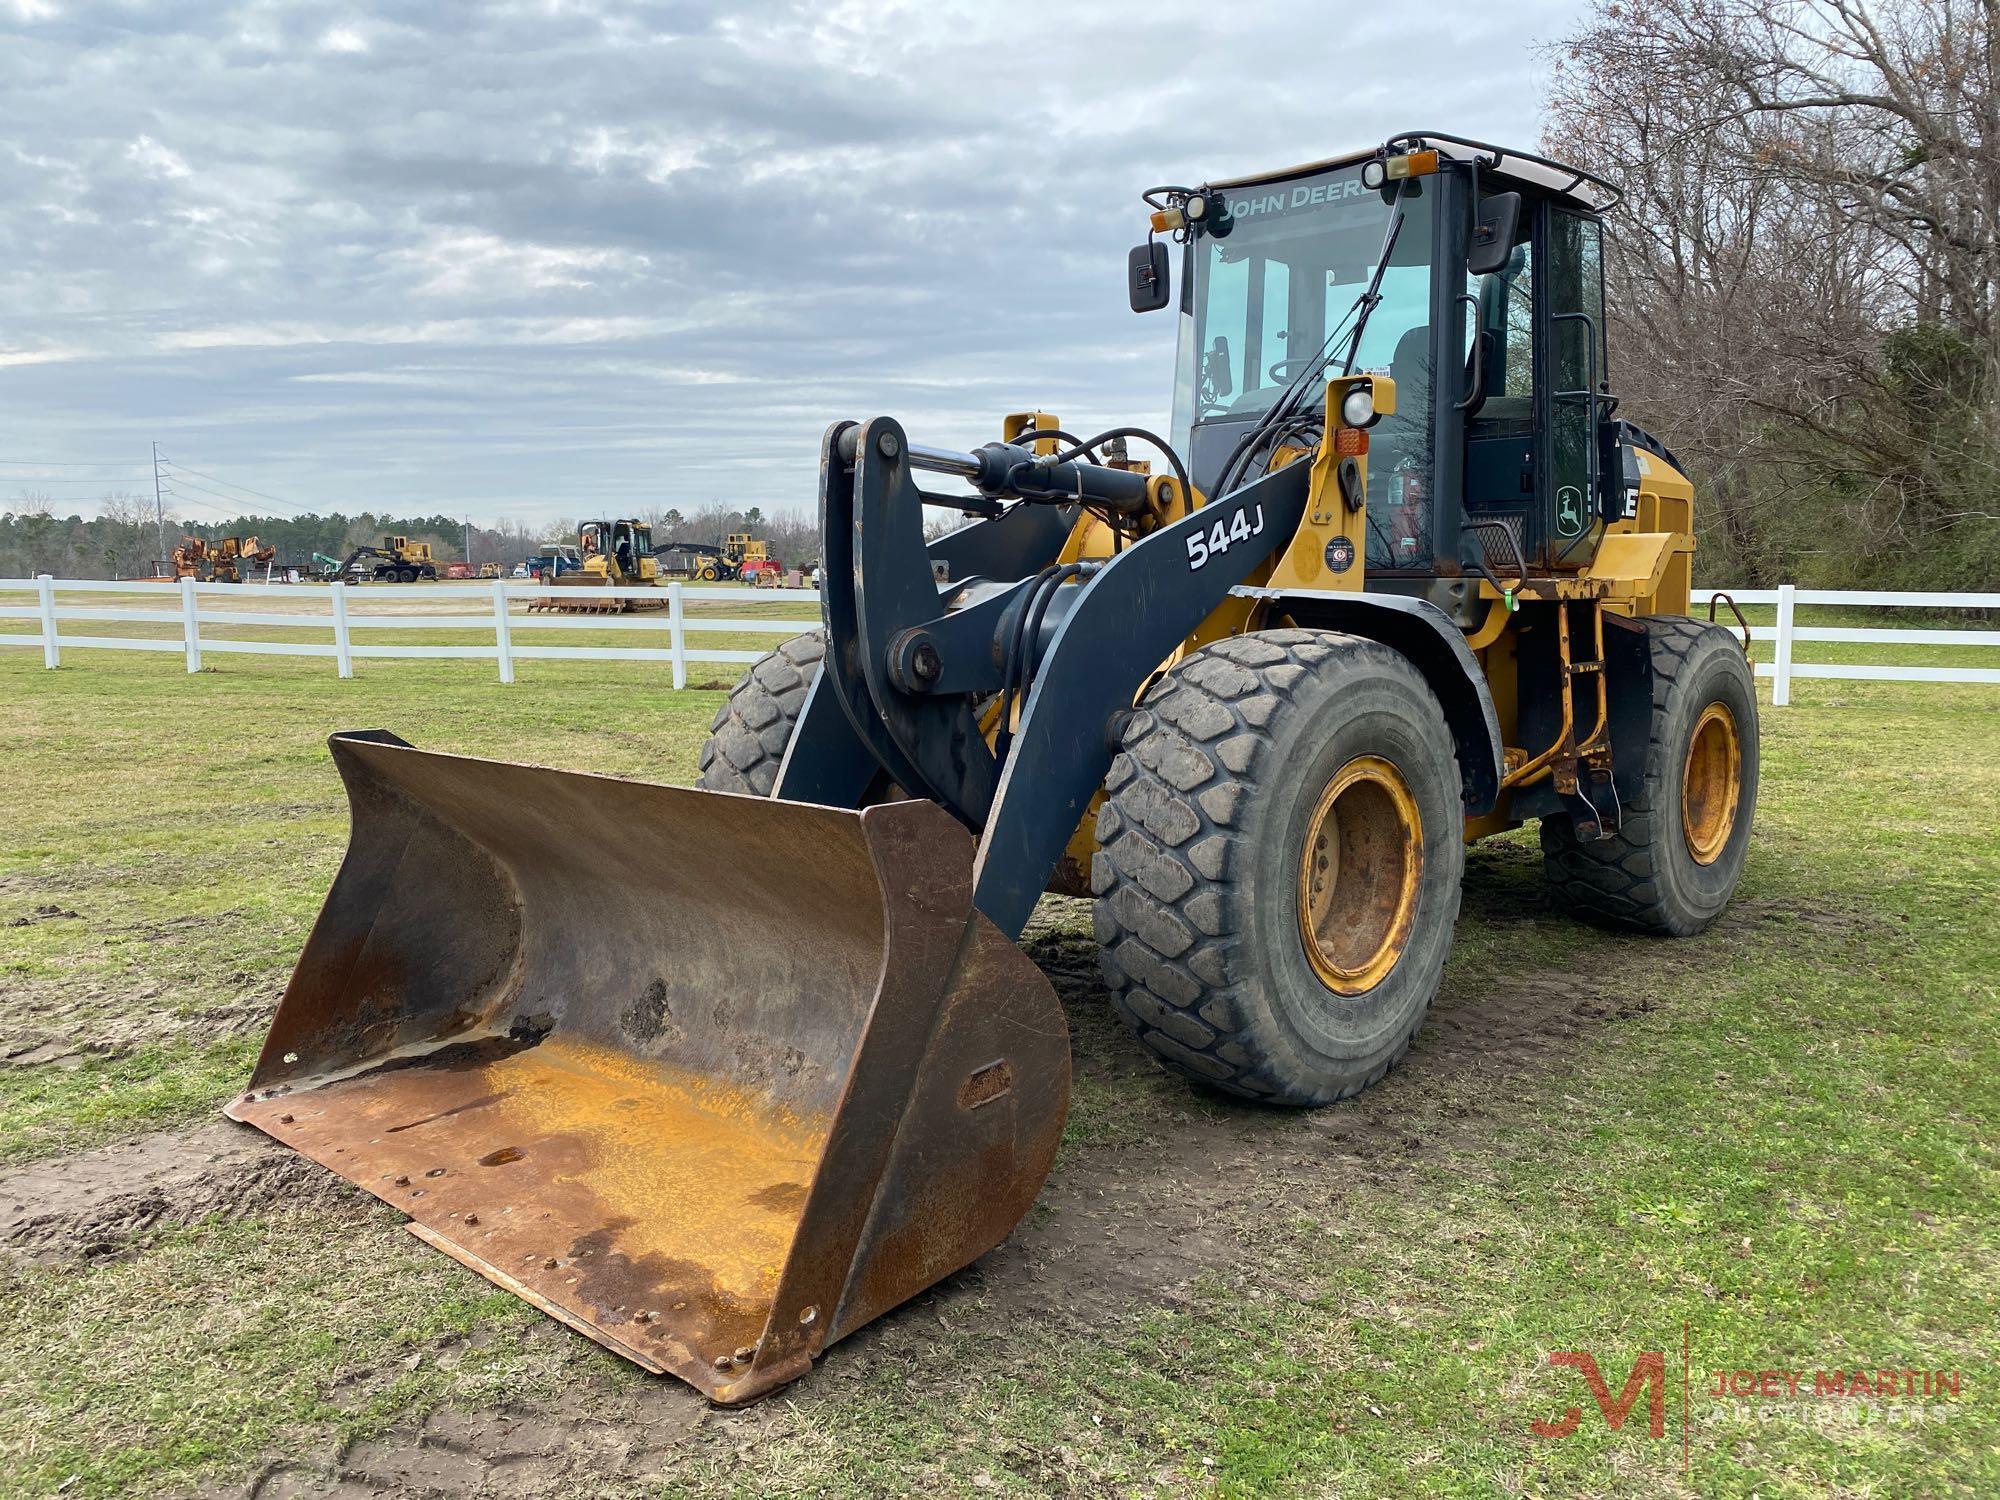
(713, 1079)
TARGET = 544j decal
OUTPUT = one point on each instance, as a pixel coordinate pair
(1201, 546)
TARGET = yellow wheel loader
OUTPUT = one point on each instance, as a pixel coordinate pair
(1401, 579)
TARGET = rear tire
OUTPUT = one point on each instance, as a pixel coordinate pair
(746, 743)
(1675, 860)
(1232, 949)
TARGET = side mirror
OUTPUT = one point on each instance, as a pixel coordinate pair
(1146, 276)
(1493, 234)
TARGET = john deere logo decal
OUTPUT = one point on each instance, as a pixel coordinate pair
(1569, 511)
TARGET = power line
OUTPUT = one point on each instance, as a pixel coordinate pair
(232, 484)
(59, 479)
(232, 499)
(55, 463)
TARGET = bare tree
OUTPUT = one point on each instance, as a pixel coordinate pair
(1805, 277)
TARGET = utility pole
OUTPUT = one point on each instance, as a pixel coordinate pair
(159, 510)
(468, 540)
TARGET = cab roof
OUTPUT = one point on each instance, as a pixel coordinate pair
(1582, 189)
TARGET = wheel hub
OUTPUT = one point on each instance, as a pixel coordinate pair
(1359, 872)
(1711, 783)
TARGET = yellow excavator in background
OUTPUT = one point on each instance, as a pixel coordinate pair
(1399, 579)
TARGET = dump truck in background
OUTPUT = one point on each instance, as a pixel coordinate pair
(1401, 580)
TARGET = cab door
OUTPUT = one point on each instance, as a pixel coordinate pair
(1571, 295)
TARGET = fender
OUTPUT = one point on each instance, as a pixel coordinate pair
(1436, 648)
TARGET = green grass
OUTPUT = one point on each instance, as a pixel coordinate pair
(1781, 1134)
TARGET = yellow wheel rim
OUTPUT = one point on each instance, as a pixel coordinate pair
(1359, 873)
(1711, 783)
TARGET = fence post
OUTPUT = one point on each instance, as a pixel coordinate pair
(190, 625)
(503, 638)
(677, 633)
(343, 644)
(1781, 673)
(45, 590)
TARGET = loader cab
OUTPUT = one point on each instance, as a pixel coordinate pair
(1501, 377)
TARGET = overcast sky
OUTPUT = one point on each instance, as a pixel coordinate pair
(516, 260)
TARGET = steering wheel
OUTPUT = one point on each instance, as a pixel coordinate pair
(1281, 370)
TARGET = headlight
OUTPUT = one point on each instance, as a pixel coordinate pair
(1357, 407)
(1374, 174)
(1197, 207)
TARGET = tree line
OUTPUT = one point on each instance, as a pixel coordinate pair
(1802, 278)
(123, 540)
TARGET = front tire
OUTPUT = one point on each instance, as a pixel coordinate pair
(1679, 850)
(1280, 854)
(746, 743)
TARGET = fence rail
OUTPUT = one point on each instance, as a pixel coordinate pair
(1787, 632)
(346, 625)
(349, 628)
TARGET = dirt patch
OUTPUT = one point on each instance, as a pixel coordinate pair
(626, 1443)
(44, 914)
(108, 1202)
(55, 1025)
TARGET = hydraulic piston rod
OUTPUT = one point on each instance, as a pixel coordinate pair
(1009, 470)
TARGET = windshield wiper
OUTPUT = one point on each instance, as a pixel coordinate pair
(1372, 297)
(1283, 410)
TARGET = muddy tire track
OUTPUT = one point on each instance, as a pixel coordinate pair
(108, 1202)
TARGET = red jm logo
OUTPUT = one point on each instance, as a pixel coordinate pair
(1649, 1373)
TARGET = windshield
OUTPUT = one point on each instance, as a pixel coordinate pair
(1266, 296)
(1297, 256)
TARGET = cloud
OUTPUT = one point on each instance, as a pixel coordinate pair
(532, 257)
(342, 39)
(156, 160)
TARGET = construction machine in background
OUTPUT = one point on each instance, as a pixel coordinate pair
(1401, 580)
(232, 555)
(614, 554)
(397, 560)
(698, 562)
(191, 558)
(741, 556)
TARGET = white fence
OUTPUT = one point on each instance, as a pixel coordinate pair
(1782, 670)
(676, 625)
(669, 628)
